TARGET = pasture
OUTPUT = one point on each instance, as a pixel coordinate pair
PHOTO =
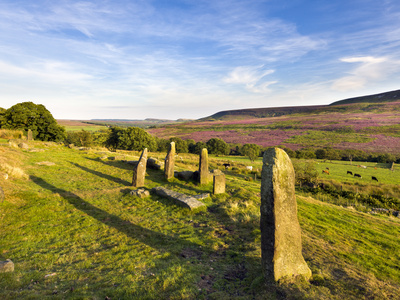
(75, 125)
(74, 232)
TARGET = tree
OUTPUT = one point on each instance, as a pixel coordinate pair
(252, 151)
(196, 149)
(217, 146)
(180, 145)
(81, 138)
(131, 138)
(36, 117)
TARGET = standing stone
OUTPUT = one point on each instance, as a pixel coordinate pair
(139, 170)
(1, 194)
(170, 162)
(219, 184)
(203, 167)
(30, 135)
(280, 229)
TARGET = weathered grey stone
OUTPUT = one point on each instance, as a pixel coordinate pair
(46, 163)
(219, 184)
(139, 171)
(23, 146)
(185, 175)
(201, 196)
(141, 193)
(71, 146)
(170, 162)
(154, 164)
(281, 249)
(1, 194)
(181, 199)
(204, 174)
(6, 266)
(30, 135)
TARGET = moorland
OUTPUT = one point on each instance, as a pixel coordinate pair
(74, 231)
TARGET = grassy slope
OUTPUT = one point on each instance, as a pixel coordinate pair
(74, 231)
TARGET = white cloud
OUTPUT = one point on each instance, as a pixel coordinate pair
(251, 77)
(369, 70)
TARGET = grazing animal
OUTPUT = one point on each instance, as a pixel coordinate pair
(226, 165)
(325, 171)
(327, 168)
(349, 172)
(374, 178)
(357, 175)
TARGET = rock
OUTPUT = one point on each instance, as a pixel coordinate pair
(105, 157)
(170, 162)
(201, 196)
(281, 249)
(181, 199)
(71, 146)
(6, 266)
(141, 193)
(204, 176)
(185, 175)
(139, 170)
(30, 135)
(219, 184)
(23, 146)
(154, 164)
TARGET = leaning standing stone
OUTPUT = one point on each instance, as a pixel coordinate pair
(280, 229)
(170, 162)
(219, 184)
(139, 170)
(203, 167)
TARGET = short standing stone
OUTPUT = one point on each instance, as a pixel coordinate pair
(219, 184)
(281, 249)
(6, 266)
(139, 171)
(204, 175)
(141, 193)
(170, 162)
(30, 135)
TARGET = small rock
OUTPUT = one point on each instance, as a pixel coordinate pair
(141, 193)
(6, 266)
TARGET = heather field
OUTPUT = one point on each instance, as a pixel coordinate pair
(367, 127)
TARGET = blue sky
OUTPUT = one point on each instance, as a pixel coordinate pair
(189, 59)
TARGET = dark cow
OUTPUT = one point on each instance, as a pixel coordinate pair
(327, 168)
(374, 178)
(226, 165)
(325, 171)
(357, 175)
(349, 172)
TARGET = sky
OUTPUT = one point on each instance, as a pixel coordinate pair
(170, 59)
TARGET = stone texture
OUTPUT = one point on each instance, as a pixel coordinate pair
(186, 201)
(139, 171)
(204, 174)
(281, 249)
(170, 162)
(219, 184)
(23, 146)
(1, 195)
(153, 163)
(6, 266)
(45, 163)
(141, 193)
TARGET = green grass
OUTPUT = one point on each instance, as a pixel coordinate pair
(88, 127)
(74, 232)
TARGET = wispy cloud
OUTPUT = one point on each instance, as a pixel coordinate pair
(251, 78)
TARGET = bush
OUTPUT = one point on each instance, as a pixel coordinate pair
(131, 138)
(252, 151)
(217, 146)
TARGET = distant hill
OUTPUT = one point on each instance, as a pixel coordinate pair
(376, 98)
(281, 111)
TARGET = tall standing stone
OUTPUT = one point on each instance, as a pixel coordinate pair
(219, 184)
(281, 249)
(139, 170)
(204, 174)
(170, 162)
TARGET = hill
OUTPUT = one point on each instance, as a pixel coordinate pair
(73, 231)
(376, 98)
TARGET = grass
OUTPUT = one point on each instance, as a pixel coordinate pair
(74, 232)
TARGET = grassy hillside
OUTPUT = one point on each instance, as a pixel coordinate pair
(74, 232)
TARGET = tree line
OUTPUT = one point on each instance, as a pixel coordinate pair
(29, 116)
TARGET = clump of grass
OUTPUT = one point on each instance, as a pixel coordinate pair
(11, 134)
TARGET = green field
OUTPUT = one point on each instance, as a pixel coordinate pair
(74, 232)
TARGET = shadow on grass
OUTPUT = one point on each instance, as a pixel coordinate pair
(102, 175)
(113, 163)
(149, 237)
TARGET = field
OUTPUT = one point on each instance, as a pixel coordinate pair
(367, 127)
(74, 232)
(75, 125)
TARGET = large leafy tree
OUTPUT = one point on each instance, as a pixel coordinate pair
(252, 151)
(36, 117)
(131, 138)
(217, 146)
